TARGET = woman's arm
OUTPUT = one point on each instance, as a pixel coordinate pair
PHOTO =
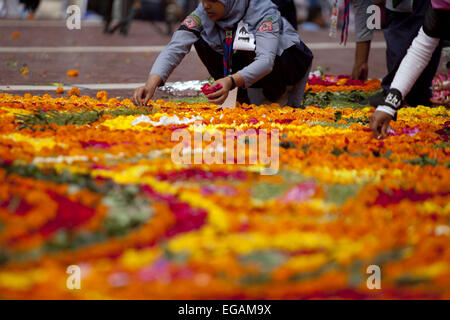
(415, 61)
(267, 38)
(173, 53)
(142, 95)
(169, 59)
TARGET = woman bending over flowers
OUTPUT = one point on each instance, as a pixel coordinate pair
(244, 44)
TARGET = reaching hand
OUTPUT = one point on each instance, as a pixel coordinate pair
(142, 95)
(379, 123)
(360, 72)
(380, 119)
(220, 95)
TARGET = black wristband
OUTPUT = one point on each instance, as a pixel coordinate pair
(394, 99)
(233, 83)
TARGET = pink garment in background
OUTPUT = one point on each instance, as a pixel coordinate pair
(440, 4)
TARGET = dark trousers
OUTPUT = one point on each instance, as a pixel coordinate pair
(289, 68)
(104, 8)
(31, 5)
(400, 30)
(126, 19)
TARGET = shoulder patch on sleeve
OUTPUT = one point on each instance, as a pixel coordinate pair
(192, 21)
(266, 26)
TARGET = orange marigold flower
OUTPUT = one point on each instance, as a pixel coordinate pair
(16, 35)
(342, 82)
(74, 92)
(24, 70)
(60, 90)
(72, 73)
(102, 95)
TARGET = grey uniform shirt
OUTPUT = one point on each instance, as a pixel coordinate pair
(267, 47)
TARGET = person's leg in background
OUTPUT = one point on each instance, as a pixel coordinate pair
(106, 10)
(401, 29)
(30, 5)
(128, 16)
(13, 9)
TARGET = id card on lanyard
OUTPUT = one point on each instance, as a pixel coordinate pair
(244, 40)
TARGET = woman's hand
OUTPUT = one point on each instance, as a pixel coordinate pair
(220, 95)
(142, 95)
(379, 123)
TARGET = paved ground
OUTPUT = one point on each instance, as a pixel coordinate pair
(49, 49)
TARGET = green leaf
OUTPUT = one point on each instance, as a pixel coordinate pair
(337, 152)
(257, 279)
(267, 260)
(265, 191)
(410, 280)
(179, 257)
(340, 193)
(423, 161)
(287, 144)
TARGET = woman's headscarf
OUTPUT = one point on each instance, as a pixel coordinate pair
(235, 11)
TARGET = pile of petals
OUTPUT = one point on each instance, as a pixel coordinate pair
(441, 89)
(207, 89)
(91, 183)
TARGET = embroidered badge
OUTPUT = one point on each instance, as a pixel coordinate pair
(266, 26)
(192, 21)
